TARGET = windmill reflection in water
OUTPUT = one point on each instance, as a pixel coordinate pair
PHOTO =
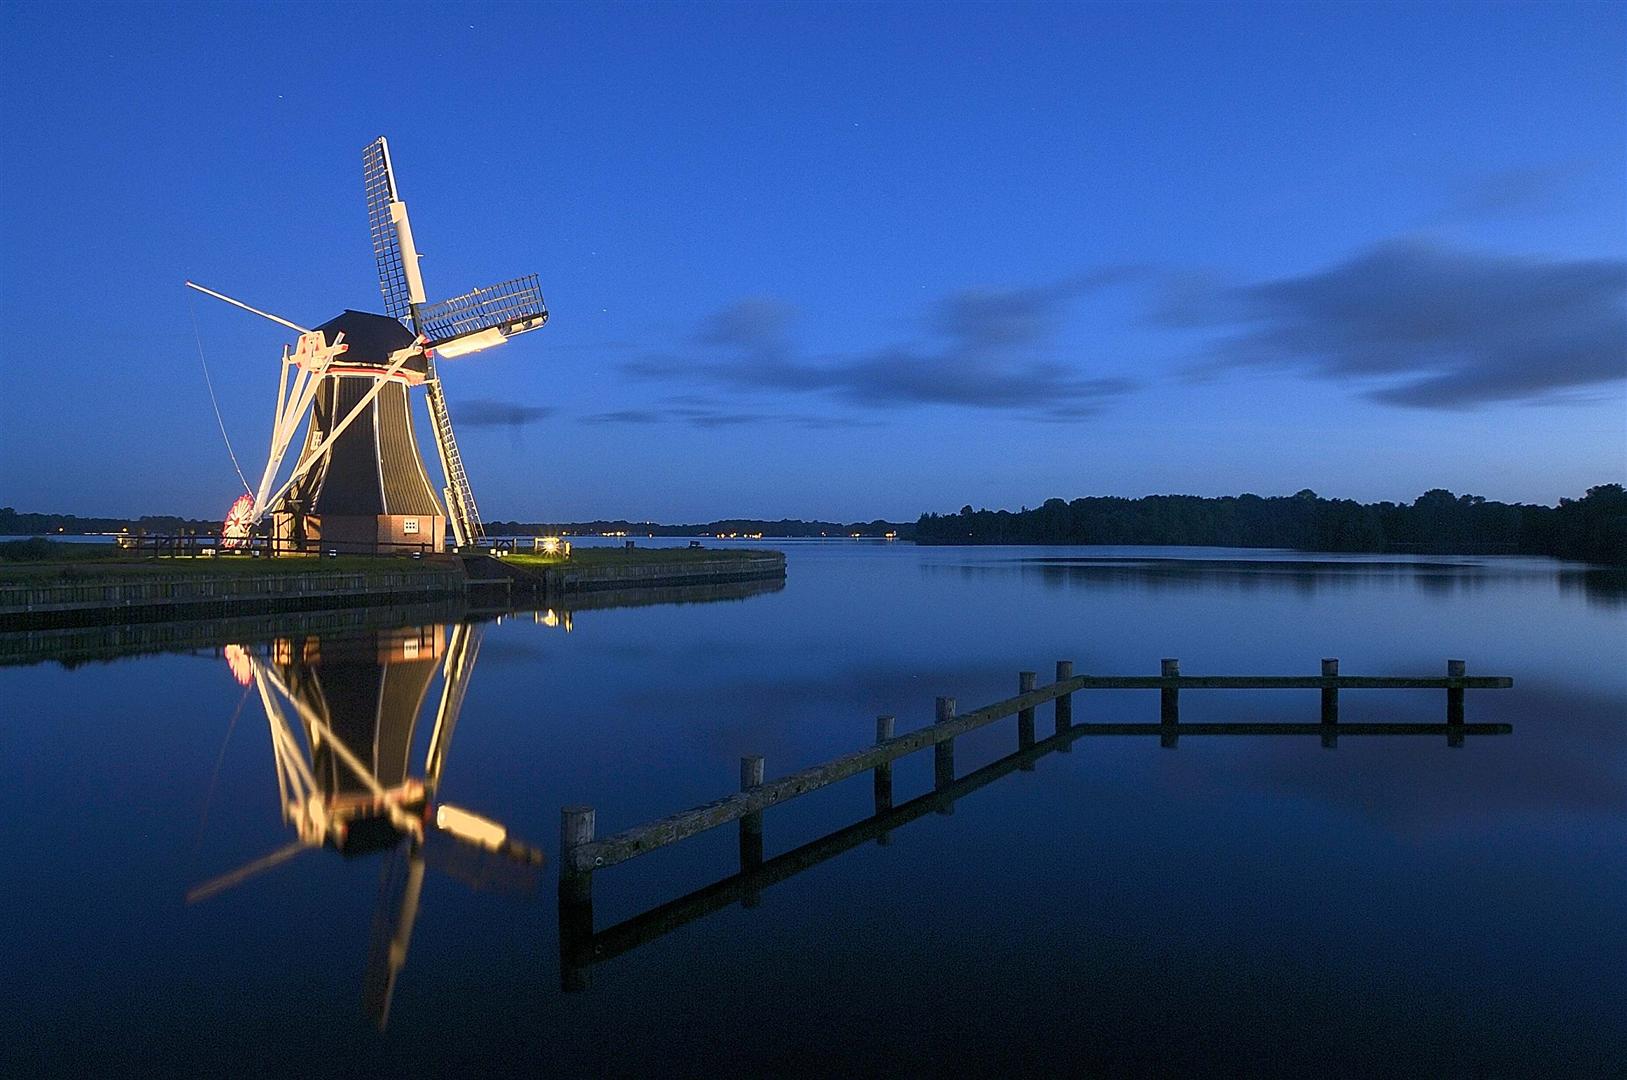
(342, 713)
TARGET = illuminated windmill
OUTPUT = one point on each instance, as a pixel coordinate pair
(359, 482)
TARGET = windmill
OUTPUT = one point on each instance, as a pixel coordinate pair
(359, 482)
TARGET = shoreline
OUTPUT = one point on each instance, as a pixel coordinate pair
(88, 593)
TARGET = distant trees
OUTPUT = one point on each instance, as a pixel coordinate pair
(785, 527)
(13, 523)
(1592, 528)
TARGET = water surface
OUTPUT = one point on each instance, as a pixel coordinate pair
(1246, 905)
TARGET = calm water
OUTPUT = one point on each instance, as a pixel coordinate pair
(1236, 905)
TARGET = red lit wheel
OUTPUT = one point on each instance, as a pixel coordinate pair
(234, 532)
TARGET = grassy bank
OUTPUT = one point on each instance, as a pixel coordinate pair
(29, 561)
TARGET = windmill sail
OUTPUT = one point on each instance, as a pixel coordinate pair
(484, 317)
(382, 202)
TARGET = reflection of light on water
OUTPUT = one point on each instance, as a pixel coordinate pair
(550, 617)
(237, 658)
(468, 827)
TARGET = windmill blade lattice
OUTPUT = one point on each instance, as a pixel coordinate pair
(509, 307)
(379, 182)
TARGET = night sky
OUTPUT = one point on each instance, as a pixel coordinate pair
(837, 261)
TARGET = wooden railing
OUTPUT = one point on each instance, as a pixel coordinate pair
(581, 946)
(581, 852)
(174, 545)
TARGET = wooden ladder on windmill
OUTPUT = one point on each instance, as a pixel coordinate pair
(460, 499)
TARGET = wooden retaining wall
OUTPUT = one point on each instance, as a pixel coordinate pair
(163, 596)
(746, 566)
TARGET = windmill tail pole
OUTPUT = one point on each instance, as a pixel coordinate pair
(245, 307)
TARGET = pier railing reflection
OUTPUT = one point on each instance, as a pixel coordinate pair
(581, 946)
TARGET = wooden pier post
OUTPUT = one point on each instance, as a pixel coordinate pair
(751, 826)
(1025, 717)
(883, 775)
(575, 829)
(1455, 669)
(1330, 703)
(1169, 702)
(1064, 703)
(943, 754)
(575, 901)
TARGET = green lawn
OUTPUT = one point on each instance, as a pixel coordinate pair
(86, 562)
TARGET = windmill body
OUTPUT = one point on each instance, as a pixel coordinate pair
(371, 490)
(359, 483)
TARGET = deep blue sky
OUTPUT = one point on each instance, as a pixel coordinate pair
(838, 261)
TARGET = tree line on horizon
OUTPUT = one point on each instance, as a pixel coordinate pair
(784, 528)
(1592, 528)
(14, 523)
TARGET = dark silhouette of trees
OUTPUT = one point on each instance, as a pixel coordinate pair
(1592, 528)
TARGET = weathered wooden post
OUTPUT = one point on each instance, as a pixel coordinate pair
(751, 827)
(943, 754)
(575, 830)
(1330, 703)
(575, 900)
(1025, 717)
(1169, 703)
(1064, 704)
(1455, 669)
(883, 775)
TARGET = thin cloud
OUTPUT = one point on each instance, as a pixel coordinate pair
(1515, 192)
(626, 416)
(484, 412)
(1428, 326)
(988, 350)
(708, 417)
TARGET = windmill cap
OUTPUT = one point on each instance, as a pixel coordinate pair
(371, 339)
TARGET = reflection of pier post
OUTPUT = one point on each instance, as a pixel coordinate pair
(1169, 703)
(1455, 669)
(943, 755)
(751, 828)
(1330, 704)
(575, 900)
(884, 776)
(1064, 703)
(1025, 717)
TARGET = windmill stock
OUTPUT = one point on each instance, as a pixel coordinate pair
(359, 482)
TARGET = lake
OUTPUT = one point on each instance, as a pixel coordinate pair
(1246, 905)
